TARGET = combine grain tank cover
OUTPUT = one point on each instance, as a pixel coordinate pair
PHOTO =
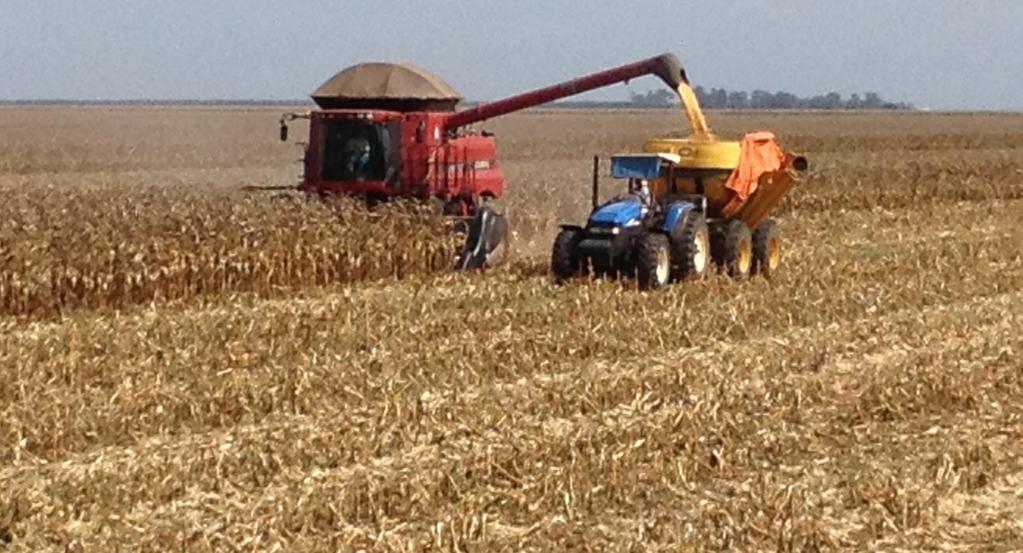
(391, 86)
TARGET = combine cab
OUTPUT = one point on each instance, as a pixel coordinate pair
(385, 131)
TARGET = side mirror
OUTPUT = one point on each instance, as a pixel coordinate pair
(284, 131)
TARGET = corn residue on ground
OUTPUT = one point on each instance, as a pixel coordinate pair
(187, 368)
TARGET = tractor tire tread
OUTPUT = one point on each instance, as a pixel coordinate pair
(647, 254)
(565, 264)
(682, 243)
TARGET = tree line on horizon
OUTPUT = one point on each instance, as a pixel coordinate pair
(714, 98)
(720, 98)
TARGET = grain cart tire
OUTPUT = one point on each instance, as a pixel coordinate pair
(732, 247)
(653, 261)
(767, 248)
(565, 261)
(690, 248)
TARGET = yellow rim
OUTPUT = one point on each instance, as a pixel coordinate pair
(745, 259)
(774, 252)
(702, 241)
(663, 266)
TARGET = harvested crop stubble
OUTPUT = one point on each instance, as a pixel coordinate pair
(454, 331)
(502, 412)
(865, 398)
(707, 437)
(107, 250)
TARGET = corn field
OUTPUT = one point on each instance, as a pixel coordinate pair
(105, 250)
(184, 367)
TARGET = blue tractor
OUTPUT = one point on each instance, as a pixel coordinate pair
(632, 234)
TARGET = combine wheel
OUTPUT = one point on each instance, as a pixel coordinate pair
(767, 248)
(653, 261)
(732, 247)
(565, 263)
(690, 248)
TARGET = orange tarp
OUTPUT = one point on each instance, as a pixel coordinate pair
(760, 153)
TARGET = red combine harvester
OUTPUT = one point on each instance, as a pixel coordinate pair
(388, 131)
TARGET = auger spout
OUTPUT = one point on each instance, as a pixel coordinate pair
(666, 66)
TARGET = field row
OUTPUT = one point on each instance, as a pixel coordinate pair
(187, 368)
(756, 431)
(466, 330)
(503, 412)
(103, 248)
(108, 250)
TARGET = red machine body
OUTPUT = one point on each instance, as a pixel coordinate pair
(427, 154)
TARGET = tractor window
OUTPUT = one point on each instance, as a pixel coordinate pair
(353, 150)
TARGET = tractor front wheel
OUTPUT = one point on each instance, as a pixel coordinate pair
(653, 261)
(767, 248)
(732, 248)
(565, 262)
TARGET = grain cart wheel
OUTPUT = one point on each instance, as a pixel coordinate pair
(565, 261)
(767, 248)
(732, 247)
(653, 261)
(690, 248)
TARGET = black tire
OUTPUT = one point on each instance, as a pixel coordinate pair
(565, 263)
(731, 247)
(767, 248)
(690, 248)
(653, 261)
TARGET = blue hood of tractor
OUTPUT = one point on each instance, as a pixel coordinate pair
(617, 212)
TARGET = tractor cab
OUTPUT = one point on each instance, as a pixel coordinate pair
(646, 177)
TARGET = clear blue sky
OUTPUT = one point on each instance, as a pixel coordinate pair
(934, 53)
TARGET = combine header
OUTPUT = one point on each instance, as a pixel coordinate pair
(387, 131)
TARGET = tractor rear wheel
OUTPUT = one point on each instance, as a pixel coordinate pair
(653, 261)
(565, 261)
(732, 248)
(767, 248)
(690, 248)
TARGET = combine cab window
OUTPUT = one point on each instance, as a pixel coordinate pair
(353, 150)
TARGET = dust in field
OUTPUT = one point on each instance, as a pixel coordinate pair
(866, 398)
